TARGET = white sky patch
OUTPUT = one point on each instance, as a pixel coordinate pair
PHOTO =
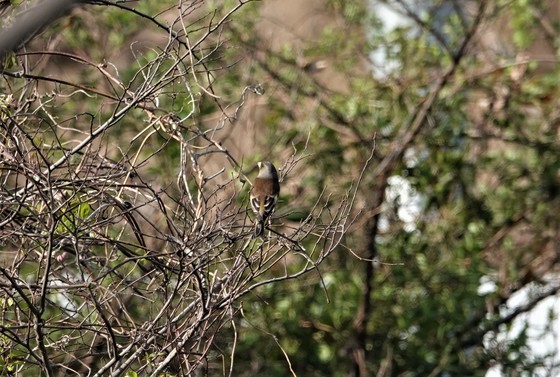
(408, 201)
(391, 20)
(543, 336)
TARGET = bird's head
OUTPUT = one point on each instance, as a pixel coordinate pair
(266, 169)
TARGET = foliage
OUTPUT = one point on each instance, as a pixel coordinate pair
(467, 133)
(419, 167)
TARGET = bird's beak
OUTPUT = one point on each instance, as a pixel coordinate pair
(259, 164)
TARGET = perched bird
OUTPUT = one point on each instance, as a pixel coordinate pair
(264, 195)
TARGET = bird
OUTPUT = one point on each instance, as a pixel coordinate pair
(264, 195)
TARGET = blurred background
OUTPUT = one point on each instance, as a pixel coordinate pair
(435, 123)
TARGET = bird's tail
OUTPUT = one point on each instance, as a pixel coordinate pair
(259, 228)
